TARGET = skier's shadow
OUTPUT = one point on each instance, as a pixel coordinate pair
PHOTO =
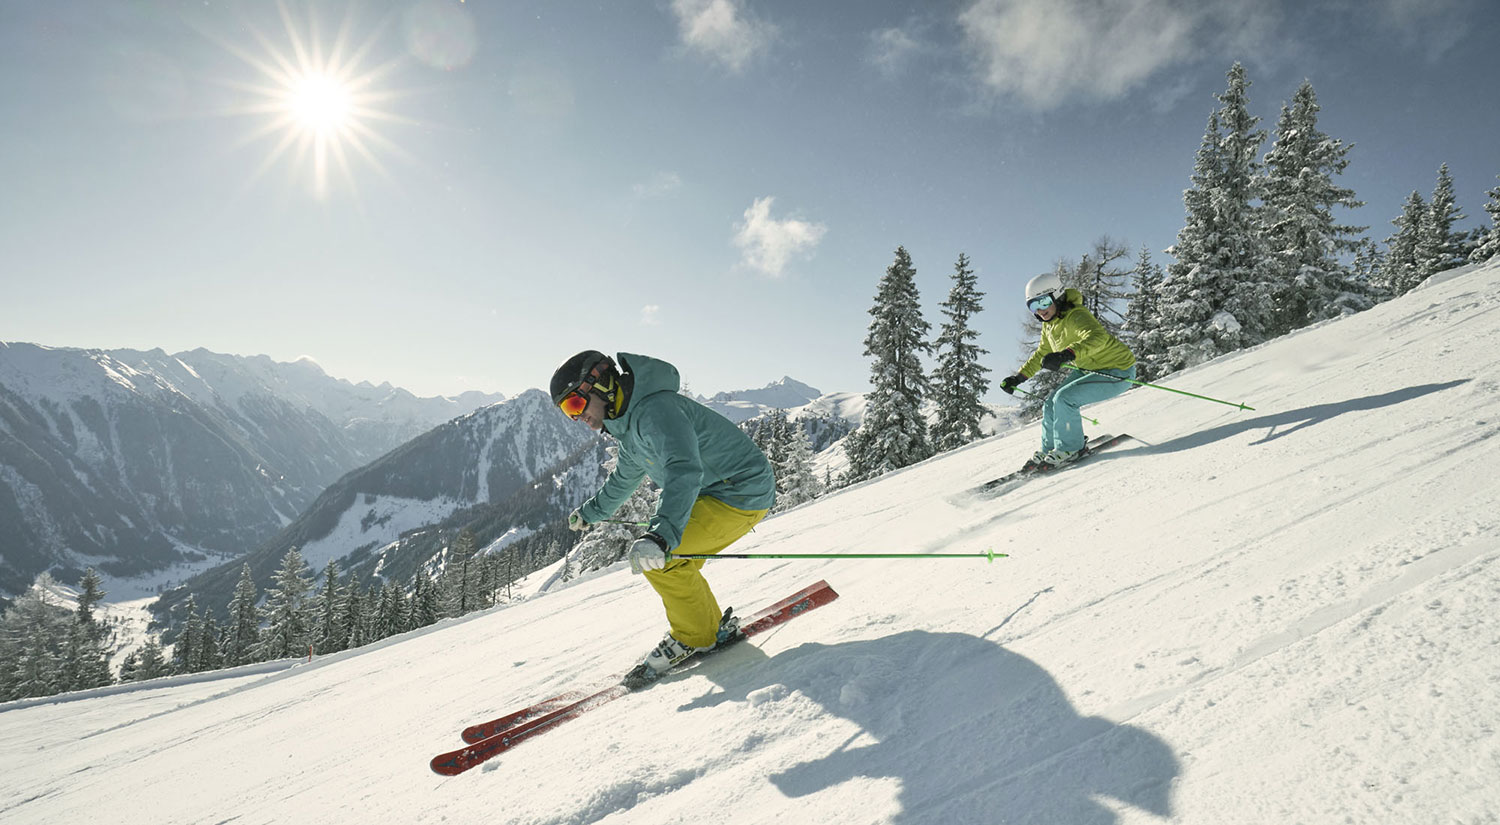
(1293, 420)
(974, 732)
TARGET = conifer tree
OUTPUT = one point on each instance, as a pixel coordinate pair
(1217, 294)
(461, 575)
(185, 652)
(288, 623)
(151, 663)
(30, 636)
(959, 383)
(88, 654)
(1489, 238)
(424, 602)
(1305, 244)
(1140, 332)
(795, 482)
(210, 644)
(327, 633)
(1439, 247)
(356, 621)
(894, 433)
(1400, 268)
(242, 637)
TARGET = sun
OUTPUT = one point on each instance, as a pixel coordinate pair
(319, 103)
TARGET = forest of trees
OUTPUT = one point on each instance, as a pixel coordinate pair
(1261, 253)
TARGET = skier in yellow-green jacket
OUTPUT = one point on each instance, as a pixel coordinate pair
(1070, 333)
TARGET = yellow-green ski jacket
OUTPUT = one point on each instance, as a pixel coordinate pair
(1077, 329)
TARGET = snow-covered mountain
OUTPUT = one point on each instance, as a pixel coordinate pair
(504, 470)
(132, 460)
(743, 405)
(1278, 615)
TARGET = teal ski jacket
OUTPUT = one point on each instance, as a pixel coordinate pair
(686, 448)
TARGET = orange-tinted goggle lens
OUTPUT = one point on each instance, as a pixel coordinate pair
(574, 405)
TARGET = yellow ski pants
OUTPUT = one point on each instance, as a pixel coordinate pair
(692, 611)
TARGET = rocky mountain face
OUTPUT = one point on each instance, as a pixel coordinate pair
(506, 472)
(131, 461)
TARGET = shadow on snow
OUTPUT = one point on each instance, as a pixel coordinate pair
(974, 732)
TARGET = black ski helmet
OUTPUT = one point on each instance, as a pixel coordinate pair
(593, 369)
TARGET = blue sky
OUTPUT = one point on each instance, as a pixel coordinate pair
(720, 183)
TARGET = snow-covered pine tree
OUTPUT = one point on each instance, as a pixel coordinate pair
(30, 636)
(390, 615)
(185, 658)
(1439, 247)
(150, 662)
(88, 648)
(1217, 294)
(356, 621)
(1400, 269)
(1489, 239)
(288, 623)
(959, 383)
(424, 601)
(1306, 246)
(796, 483)
(1140, 332)
(210, 644)
(242, 636)
(326, 633)
(894, 433)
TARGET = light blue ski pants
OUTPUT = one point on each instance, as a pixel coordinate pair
(1062, 424)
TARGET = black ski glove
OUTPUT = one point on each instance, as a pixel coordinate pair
(1008, 386)
(1055, 360)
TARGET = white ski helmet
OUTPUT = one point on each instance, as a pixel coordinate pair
(1046, 283)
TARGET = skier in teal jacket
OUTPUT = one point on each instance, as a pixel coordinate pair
(715, 484)
(1070, 333)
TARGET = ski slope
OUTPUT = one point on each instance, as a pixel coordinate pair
(1286, 615)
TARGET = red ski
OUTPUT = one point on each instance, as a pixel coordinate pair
(496, 736)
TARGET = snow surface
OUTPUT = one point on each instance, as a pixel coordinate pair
(1286, 615)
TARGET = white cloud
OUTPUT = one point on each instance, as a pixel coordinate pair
(650, 315)
(892, 49)
(769, 244)
(660, 185)
(1048, 51)
(721, 31)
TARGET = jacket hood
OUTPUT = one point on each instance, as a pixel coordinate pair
(650, 375)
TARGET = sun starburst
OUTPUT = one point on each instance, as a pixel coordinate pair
(319, 100)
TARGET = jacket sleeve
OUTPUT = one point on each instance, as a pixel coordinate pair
(1034, 363)
(673, 439)
(623, 479)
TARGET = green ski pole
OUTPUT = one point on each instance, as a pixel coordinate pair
(988, 554)
(1159, 387)
(1093, 421)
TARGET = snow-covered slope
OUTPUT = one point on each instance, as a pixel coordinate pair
(1270, 616)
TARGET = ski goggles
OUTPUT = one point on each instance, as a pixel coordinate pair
(1040, 302)
(574, 403)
